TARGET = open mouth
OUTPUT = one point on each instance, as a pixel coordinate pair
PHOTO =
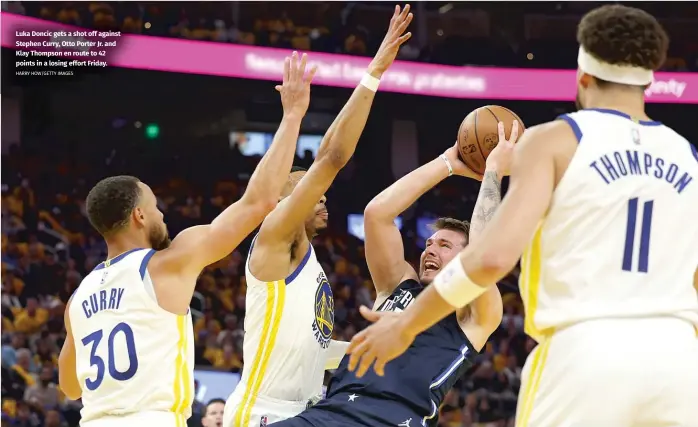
(430, 266)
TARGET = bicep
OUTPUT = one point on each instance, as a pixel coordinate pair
(292, 212)
(202, 245)
(385, 254)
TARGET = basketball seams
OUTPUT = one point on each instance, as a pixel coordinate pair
(469, 129)
(462, 155)
(477, 141)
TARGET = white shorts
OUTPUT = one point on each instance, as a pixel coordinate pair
(138, 419)
(613, 373)
(263, 411)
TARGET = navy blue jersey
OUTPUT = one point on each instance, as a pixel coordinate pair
(419, 379)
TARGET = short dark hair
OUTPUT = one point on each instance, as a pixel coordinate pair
(453, 224)
(298, 169)
(622, 35)
(110, 202)
(211, 402)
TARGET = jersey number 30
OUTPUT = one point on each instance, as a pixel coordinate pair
(95, 338)
(645, 226)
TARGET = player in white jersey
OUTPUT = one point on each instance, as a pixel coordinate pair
(129, 349)
(604, 202)
(289, 309)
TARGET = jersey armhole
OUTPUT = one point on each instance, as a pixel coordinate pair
(300, 266)
(573, 124)
(145, 277)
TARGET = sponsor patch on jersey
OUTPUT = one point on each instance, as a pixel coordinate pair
(323, 324)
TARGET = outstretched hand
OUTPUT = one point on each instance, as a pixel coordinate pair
(394, 38)
(378, 344)
(295, 88)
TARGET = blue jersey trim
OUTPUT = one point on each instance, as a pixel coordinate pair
(575, 127)
(453, 367)
(627, 116)
(116, 259)
(298, 269)
(693, 149)
(144, 263)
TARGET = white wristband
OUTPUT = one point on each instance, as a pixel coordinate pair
(448, 164)
(455, 286)
(369, 82)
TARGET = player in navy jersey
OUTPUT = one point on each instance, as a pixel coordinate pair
(413, 386)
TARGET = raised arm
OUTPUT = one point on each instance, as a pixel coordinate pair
(477, 266)
(486, 311)
(197, 247)
(338, 144)
(384, 249)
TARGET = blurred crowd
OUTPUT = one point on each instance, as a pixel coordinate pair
(48, 247)
(517, 35)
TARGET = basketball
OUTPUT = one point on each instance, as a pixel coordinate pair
(478, 134)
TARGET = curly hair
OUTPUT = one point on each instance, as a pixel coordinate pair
(453, 225)
(110, 202)
(621, 35)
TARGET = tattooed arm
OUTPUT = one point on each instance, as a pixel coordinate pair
(488, 201)
(484, 315)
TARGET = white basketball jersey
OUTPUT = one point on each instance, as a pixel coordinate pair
(132, 355)
(288, 328)
(620, 238)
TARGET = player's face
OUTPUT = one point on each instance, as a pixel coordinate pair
(214, 415)
(155, 226)
(321, 214)
(440, 249)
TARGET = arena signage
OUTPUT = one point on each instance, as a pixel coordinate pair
(251, 62)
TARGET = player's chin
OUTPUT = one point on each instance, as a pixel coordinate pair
(428, 276)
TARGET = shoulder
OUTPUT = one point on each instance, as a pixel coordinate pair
(545, 137)
(553, 140)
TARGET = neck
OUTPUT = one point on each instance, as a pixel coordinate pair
(625, 100)
(310, 234)
(118, 245)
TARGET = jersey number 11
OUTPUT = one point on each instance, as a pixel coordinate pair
(645, 225)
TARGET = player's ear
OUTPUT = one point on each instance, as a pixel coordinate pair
(138, 216)
(585, 80)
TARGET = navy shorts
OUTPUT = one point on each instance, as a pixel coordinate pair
(354, 410)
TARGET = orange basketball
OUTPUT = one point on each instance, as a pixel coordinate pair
(478, 134)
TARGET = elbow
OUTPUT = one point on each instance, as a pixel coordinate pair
(335, 158)
(261, 207)
(494, 265)
(71, 394)
(69, 388)
(372, 211)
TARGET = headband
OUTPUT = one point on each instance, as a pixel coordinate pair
(623, 74)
